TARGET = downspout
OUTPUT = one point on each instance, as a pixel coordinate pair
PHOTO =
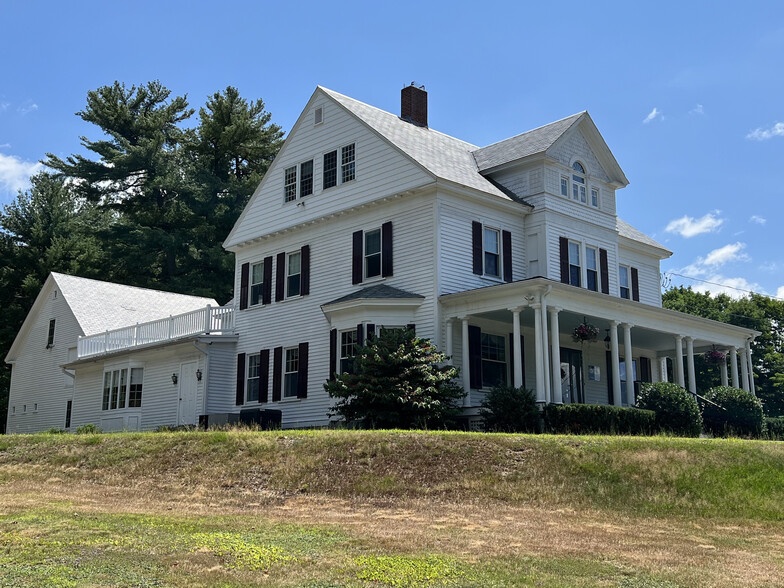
(205, 376)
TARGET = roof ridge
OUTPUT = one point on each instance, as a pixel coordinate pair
(578, 114)
(70, 276)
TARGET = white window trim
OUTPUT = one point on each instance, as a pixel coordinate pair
(507, 357)
(338, 165)
(318, 116)
(298, 180)
(283, 395)
(584, 271)
(588, 185)
(380, 275)
(341, 357)
(286, 276)
(628, 281)
(247, 377)
(581, 264)
(251, 284)
(129, 365)
(500, 232)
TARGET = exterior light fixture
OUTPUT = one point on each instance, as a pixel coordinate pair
(607, 340)
(174, 379)
(198, 375)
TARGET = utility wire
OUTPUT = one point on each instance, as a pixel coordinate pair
(722, 285)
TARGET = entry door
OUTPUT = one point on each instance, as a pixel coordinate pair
(572, 376)
(187, 390)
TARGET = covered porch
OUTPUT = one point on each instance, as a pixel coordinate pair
(521, 334)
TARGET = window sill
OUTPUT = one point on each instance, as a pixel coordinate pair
(290, 399)
(373, 280)
(496, 279)
(291, 298)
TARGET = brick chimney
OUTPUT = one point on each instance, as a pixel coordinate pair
(413, 105)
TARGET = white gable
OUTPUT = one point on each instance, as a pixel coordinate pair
(573, 146)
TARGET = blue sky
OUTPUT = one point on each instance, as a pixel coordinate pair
(688, 95)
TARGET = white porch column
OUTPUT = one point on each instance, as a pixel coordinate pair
(680, 379)
(616, 367)
(629, 362)
(540, 390)
(723, 368)
(517, 377)
(545, 353)
(555, 354)
(751, 371)
(466, 362)
(663, 369)
(449, 343)
(734, 366)
(690, 362)
(744, 369)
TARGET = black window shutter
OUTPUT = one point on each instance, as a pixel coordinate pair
(360, 334)
(506, 240)
(635, 285)
(610, 400)
(605, 271)
(244, 279)
(280, 277)
(240, 379)
(476, 247)
(475, 355)
(305, 269)
(302, 371)
(645, 369)
(563, 246)
(411, 327)
(333, 353)
(513, 358)
(266, 293)
(277, 366)
(356, 258)
(370, 331)
(264, 375)
(386, 249)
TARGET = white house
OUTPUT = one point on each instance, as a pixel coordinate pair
(368, 219)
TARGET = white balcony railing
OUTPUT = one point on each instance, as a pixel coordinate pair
(212, 320)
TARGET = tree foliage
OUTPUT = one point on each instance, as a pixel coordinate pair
(676, 410)
(396, 382)
(507, 409)
(755, 311)
(732, 412)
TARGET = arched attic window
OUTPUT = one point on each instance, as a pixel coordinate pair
(578, 182)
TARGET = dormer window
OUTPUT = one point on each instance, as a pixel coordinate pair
(578, 182)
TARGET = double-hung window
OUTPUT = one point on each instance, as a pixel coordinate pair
(120, 391)
(565, 186)
(623, 281)
(348, 350)
(331, 177)
(591, 269)
(372, 253)
(293, 274)
(298, 183)
(290, 184)
(347, 163)
(492, 252)
(252, 388)
(291, 373)
(493, 360)
(306, 178)
(595, 197)
(50, 336)
(578, 182)
(256, 283)
(575, 271)
(330, 169)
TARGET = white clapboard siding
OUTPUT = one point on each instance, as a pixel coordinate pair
(648, 274)
(221, 377)
(455, 217)
(37, 377)
(573, 146)
(380, 170)
(290, 322)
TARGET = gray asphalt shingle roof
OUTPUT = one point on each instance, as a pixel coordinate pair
(103, 306)
(375, 292)
(443, 156)
(528, 143)
(628, 231)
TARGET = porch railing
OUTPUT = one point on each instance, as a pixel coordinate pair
(212, 320)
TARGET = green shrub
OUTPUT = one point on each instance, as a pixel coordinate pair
(676, 410)
(774, 428)
(598, 419)
(739, 412)
(507, 409)
(55, 431)
(88, 429)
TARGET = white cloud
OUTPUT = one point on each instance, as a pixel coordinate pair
(15, 173)
(734, 287)
(652, 115)
(5, 146)
(726, 254)
(780, 292)
(754, 218)
(688, 226)
(761, 134)
(697, 110)
(27, 108)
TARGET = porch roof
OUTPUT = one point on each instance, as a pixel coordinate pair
(660, 324)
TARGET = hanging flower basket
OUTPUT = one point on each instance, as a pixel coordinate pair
(715, 356)
(585, 332)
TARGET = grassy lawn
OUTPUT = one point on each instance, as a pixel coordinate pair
(339, 508)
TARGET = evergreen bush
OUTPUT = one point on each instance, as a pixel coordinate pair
(507, 409)
(738, 412)
(774, 428)
(676, 410)
(598, 419)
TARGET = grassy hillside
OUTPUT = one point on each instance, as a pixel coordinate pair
(334, 508)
